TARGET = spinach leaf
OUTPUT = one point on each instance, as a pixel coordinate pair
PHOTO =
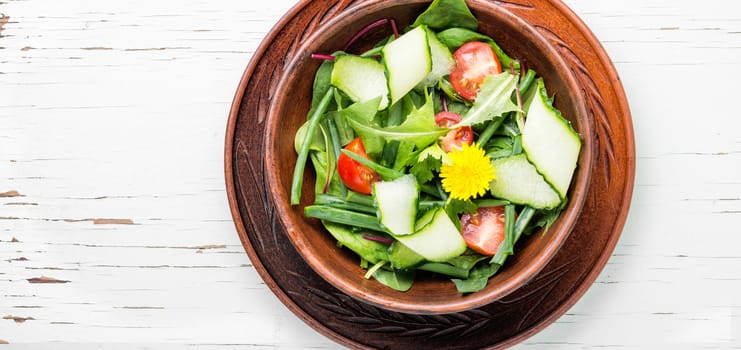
(322, 83)
(443, 14)
(400, 280)
(467, 260)
(317, 140)
(477, 278)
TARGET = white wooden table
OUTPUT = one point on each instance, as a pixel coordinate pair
(114, 224)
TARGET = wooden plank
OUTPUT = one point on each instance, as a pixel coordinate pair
(114, 113)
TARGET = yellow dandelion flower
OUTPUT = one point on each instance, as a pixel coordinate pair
(468, 173)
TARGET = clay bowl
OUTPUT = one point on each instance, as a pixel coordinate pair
(339, 266)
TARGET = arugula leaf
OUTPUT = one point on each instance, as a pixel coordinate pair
(493, 100)
(442, 14)
(454, 38)
(419, 127)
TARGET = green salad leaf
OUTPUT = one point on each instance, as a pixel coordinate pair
(443, 14)
(322, 166)
(477, 278)
(493, 100)
(400, 280)
(369, 250)
(321, 84)
(419, 127)
(403, 139)
(359, 117)
(424, 169)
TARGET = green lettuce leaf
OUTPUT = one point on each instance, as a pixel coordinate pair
(493, 100)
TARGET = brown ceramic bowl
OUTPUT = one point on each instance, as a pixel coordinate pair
(339, 266)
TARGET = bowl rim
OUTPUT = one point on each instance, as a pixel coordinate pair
(561, 230)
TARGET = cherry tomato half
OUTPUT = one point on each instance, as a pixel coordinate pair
(473, 62)
(455, 138)
(447, 119)
(483, 230)
(354, 175)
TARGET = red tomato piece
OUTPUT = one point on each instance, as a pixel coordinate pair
(447, 119)
(473, 62)
(354, 175)
(483, 230)
(455, 138)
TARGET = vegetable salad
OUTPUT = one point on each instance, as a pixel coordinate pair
(434, 151)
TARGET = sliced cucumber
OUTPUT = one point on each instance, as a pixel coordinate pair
(407, 62)
(442, 60)
(402, 257)
(397, 203)
(550, 142)
(519, 182)
(360, 78)
(438, 240)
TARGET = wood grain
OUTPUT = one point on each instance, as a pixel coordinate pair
(87, 90)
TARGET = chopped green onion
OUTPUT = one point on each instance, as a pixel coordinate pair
(334, 137)
(526, 82)
(431, 204)
(343, 216)
(489, 131)
(359, 198)
(507, 246)
(388, 156)
(430, 189)
(303, 154)
(372, 52)
(490, 202)
(386, 173)
(517, 146)
(523, 220)
(445, 269)
(336, 202)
